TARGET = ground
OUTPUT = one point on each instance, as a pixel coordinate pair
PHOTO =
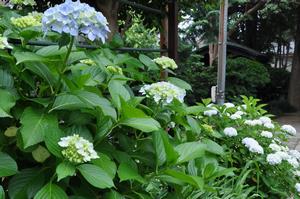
(294, 120)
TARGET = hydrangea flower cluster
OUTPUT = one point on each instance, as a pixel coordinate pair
(210, 113)
(237, 115)
(23, 2)
(76, 18)
(253, 122)
(30, 20)
(87, 62)
(230, 132)
(164, 92)
(78, 150)
(4, 43)
(253, 145)
(115, 70)
(267, 134)
(289, 129)
(297, 187)
(166, 62)
(281, 153)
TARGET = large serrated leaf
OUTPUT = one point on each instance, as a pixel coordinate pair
(35, 125)
(7, 101)
(25, 184)
(65, 169)
(143, 124)
(28, 57)
(8, 166)
(51, 191)
(96, 176)
(126, 172)
(189, 151)
(163, 148)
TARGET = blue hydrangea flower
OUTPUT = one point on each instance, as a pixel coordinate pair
(76, 18)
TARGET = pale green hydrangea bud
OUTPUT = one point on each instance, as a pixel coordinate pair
(87, 62)
(166, 62)
(115, 70)
(77, 149)
(30, 20)
(4, 43)
(23, 2)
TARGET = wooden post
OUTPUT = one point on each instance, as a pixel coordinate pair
(173, 29)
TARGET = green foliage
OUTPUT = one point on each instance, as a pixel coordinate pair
(243, 77)
(143, 148)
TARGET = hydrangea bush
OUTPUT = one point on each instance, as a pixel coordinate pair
(78, 123)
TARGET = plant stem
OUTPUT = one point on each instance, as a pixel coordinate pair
(59, 84)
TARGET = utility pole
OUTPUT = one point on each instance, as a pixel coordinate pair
(222, 49)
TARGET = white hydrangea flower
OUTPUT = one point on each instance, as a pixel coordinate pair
(163, 92)
(229, 105)
(4, 43)
(283, 155)
(293, 162)
(242, 107)
(274, 159)
(265, 120)
(78, 149)
(297, 187)
(289, 129)
(235, 116)
(295, 154)
(230, 131)
(240, 113)
(210, 113)
(269, 125)
(297, 173)
(275, 147)
(253, 122)
(266, 134)
(253, 145)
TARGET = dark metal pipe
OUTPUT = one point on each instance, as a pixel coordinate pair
(124, 49)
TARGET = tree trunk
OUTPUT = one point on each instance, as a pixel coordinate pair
(294, 90)
(110, 11)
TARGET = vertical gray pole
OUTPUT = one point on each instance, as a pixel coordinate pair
(222, 49)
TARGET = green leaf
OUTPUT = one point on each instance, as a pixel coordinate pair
(164, 150)
(40, 154)
(126, 172)
(51, 191)
(52, 139)
(113, 195)
(143, 124)
(147, 61)
(28, 57)
(189, 151)
(106, 164)
(65, 169)
(11, 131)
(8, 166)
(6, 80)
(2, 194)
(96, 176)
(68, 102)
(35, 125)
(25, 184)
(95, 100)
(192, 180)
(50, 51)
(117, 90)
(180, 83)
(213, 147)
(43, 71)
(194, 125)
(6, 103)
